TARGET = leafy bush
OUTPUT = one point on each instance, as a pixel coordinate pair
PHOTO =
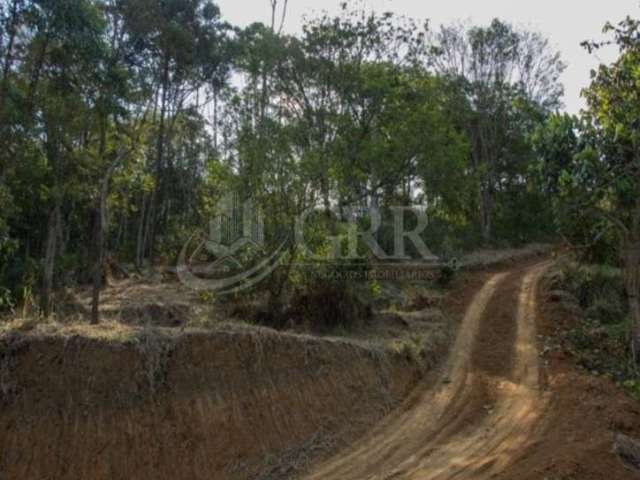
(448, 239)
(326, 296)
(607, 309)
(447, 274)
(326, 306)
(596, 284)
(602, 337)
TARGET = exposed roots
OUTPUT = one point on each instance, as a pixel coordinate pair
(154, 353)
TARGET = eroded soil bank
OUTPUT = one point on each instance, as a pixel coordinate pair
(200, 405)
(233, 403)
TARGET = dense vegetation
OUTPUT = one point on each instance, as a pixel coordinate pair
(124, 122)
(591, 166)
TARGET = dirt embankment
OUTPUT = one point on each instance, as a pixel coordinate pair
(222, 405)
(233, 403)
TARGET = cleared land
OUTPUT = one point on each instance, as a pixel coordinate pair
(407, 399)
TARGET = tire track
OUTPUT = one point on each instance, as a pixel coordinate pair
(485, 409)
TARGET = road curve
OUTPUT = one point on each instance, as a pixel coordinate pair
(485, 408)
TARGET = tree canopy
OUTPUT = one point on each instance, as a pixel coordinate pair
(124, 122)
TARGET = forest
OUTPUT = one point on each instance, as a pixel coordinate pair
(372, 247)
(124, 122)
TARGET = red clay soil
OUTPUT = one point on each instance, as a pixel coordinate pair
(201, 406)
(497, 411)
(583, 416)
(219, 408)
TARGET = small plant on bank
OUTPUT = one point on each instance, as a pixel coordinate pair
(601, 338)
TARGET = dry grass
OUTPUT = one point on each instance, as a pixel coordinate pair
(35, 327)
(488, 257)
(414, 326)
(408, 321)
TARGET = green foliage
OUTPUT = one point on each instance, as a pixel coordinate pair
(327, 298)
(500, 94)
(130, 100)
(6, 299)
(555, 143)
(601, 338)
(600, 179)
(597, 200)
(596, 285)
(447, 274)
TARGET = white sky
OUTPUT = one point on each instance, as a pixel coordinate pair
(565, 22)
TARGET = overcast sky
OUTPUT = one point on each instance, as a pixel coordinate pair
(565, 22)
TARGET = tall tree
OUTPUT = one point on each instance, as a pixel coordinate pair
(183, 46)
(609, 171)
(495, 66)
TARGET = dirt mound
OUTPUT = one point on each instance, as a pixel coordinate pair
(199, 405)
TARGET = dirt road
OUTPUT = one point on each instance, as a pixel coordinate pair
(485, 409)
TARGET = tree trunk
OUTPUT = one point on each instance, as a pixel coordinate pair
(98, 239)
(148, 237)
(157, 195)
(34, 79)
(486, 214)
(482, 164)
(100, 227)
(49, 260)
(215, 120)
(140, 236)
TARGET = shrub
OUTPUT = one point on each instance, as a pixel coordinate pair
(326, 297)
(326, 307)
(447, 274)
(607, 309)
(602, 336)
(592, 282)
